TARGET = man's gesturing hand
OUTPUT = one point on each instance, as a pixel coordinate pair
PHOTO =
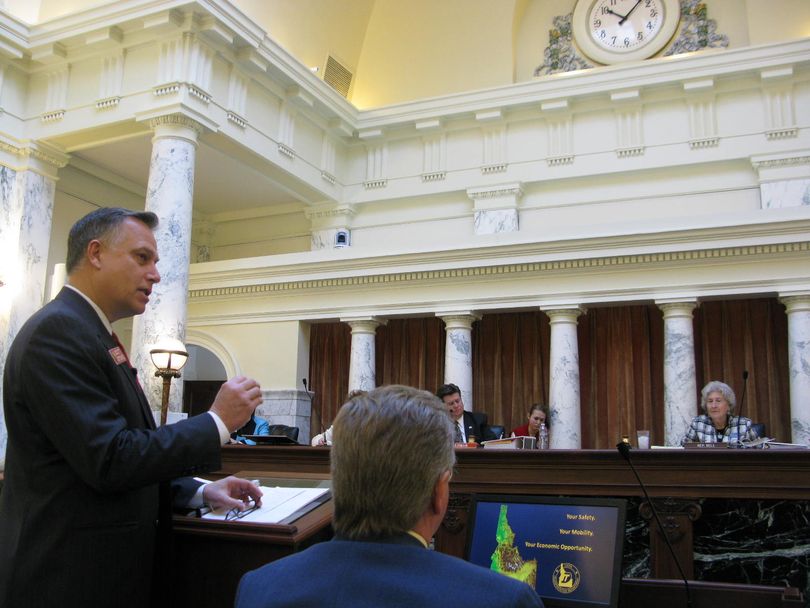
(236, 400)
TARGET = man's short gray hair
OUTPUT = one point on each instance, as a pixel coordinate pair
(390, 446)
(100, 224)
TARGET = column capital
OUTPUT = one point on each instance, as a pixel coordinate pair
(178, 126)
(564, 313)
(677, 307)
(364, 324)
(461, 319)
(799, 302)
(39, 157)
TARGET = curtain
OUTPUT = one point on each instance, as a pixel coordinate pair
(411, 352)
(620, 355)
(747, 335)
(408, 351)
(510, 365)
(621, 374)
(330, 347)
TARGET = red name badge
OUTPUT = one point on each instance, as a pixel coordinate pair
(117, 355)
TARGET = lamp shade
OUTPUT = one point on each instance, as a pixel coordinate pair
(169, 354)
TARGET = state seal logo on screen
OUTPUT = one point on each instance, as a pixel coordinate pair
(565, 578)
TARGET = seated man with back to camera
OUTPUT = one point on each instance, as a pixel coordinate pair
(467, 430)
(718, 424)
(391, 465)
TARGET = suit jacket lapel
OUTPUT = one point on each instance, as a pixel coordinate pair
(130, 374)
(76, 302)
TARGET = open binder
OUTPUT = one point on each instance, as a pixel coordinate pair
(284, 500)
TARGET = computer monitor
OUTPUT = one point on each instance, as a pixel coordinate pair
(568, 549)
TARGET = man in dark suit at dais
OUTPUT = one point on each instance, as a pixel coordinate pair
(465, 427)
(391, 461)
(89, 480)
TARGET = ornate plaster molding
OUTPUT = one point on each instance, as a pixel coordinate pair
(176, 120)
(515, 270)
(50, 157)
(329, 211)
(787, 161)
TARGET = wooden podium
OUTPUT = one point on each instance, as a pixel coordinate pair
(211, 556)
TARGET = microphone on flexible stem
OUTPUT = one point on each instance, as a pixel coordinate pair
(624, 450)
(739, 411)
(310, 394)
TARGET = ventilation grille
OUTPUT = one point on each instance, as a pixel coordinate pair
(337, 76)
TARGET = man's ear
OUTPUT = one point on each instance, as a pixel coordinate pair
(441, 494)
(93, 253)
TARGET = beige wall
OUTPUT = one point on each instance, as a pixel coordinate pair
(313, 29)
(276, 353)
(27, 10)
(772, 21)
(401, 51)
(425, 48)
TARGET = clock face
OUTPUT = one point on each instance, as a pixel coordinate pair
(623, 26)
(612, 31)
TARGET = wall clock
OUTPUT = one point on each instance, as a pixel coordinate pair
(615, 31)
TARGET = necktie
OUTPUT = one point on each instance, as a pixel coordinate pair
(459, 436)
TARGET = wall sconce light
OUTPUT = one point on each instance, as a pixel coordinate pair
(169, 357)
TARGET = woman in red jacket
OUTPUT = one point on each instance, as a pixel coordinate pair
(538, 414)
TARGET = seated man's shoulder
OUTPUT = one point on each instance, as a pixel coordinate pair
(363, 569)
(481, 583)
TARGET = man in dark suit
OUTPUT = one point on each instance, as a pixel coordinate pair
(89, 480)
(466, 426)
(392, 459)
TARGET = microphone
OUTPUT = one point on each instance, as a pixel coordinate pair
(310, 395)
(624, 450)
(740, 410)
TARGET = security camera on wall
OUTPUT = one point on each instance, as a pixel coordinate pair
(343, 238)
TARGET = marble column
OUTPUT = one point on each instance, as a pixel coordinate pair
(26, 211)
(170, 196)
(798, 312)
(458, 352)
(680, 390)
(563, 393)
(362, 366)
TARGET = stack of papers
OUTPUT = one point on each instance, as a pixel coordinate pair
(511, 443)
(278, 504)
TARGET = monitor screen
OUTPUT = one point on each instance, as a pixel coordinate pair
(568, 549)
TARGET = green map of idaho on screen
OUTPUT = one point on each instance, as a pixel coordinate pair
(506, 558)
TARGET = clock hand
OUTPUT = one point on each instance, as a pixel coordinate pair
(615, 13)
(623, 19)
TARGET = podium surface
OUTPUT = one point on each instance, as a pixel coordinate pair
(211, 556)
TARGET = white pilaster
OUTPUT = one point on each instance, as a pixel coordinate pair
(170, 196)
(363, 366)
(798, 312)
(784, 179)
(495, 208)
(327, 220)
(563, 393)
(26, 210)
(680, 390)
(458, 352)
